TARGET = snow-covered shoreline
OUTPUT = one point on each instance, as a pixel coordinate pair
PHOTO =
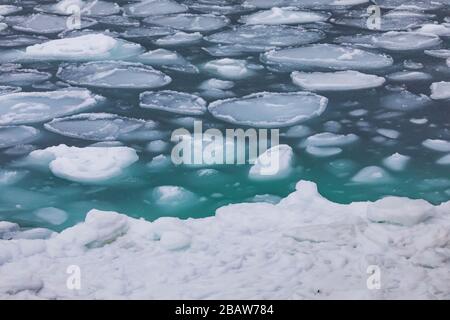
(305, 247)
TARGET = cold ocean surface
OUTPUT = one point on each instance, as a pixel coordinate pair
(86, 117)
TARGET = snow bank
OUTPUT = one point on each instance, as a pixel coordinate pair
(303, 247)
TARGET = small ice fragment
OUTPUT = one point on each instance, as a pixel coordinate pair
(323, 151)
(440, 90)
(437, 145)
(86, 165)
(230, 69)
(336, 81)
(274, 163)
(372, 175)
(389, 133)
(396, 162)
(52, 215)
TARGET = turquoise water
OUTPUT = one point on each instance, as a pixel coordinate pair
(132, 192)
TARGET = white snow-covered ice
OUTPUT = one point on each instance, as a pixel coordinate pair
(268, 110)
(274, 163)
(284, 16)
(15, 135)
(95, 126)
(265, 251)
(336, 81)
(406, 41)
(440, 90)
(84, 165)
(327, 56)
(35, 107)
(147, 8)
(190, 22)
(173, 101)
(230, 69)
(96, 46)
(113, 74)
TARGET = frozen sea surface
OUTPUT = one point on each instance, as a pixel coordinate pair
(87, 112)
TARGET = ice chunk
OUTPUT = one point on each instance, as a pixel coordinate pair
(13, 41)
(118, 22)
(439, 53)
(312, 4)
(23, 77)
(221, 7)
(44, 23)
(173, 196)
(406, 41)
(159, 163)
(217, 84)
(113, 74)
(9, 9)
(396, 162)
(173, 101)
(216, 89)
(93, 8)
(328, 139)
(442, 30)
(327, 56)
(440, 90)
(179, 39)
(157, 146)
(52, 215)
(372, 175)
(323, 151)
(419, 5)
(269, 110)
(85, 165)
(146, 33)
(14, 135)
(167, 59)
(9, 177)
(336, 81)
(395, 20)
(9, 89)
(298, 131)
(34, 107)
(388, 133)
(274, 163)
(147, 8)
(404, 101)
(406, 212)
(231, 69)
(409, 76)
(445, 160)
(190, 22)
(437, 145)
(83, 48)
(284, 16)
(419, 121)
(260, 38)
(95, 126)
